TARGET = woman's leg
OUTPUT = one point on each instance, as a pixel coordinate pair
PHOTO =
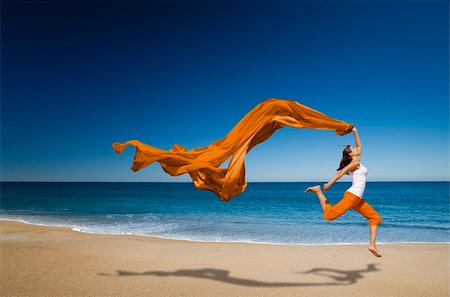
(373, 238)
(366, 210)
(318, 191)
(332, 212)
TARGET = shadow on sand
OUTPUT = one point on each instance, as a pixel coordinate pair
(339, 277)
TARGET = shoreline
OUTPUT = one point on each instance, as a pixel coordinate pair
(58, 261)
(200, 241)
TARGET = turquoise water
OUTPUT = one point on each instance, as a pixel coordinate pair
(279, 213)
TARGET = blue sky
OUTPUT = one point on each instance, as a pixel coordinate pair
(78, 76)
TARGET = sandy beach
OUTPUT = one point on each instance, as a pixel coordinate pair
(55, 261)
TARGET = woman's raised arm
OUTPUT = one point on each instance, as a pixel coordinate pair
(357, 140)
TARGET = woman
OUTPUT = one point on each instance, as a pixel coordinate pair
(353, 197)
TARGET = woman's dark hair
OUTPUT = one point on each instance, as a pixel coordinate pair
(346, 158)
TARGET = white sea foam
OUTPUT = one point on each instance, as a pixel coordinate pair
(205, 238)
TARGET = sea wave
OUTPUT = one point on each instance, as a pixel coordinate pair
(211, 240)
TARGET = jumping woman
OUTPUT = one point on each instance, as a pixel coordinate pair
(353, 197)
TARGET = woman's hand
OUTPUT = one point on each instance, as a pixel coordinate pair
(326, 186)
(354, 130)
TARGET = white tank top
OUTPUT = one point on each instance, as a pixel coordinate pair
(358, 181)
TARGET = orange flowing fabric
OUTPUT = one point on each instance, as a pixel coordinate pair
(255, 127)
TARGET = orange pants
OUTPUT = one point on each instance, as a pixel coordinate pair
(352, 201)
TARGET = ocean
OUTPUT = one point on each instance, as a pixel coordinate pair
(266, 212)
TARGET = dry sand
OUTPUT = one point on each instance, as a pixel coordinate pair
(55, 261)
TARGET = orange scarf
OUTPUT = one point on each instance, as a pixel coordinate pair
(255, 127)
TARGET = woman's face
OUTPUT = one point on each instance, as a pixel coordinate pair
(353, 150)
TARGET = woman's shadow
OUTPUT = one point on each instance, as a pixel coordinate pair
(347, 276)
(341, 277)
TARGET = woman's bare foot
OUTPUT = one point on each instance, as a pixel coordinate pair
(374, 251)
(313, 189)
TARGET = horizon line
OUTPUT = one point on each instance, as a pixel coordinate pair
(189, 182)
